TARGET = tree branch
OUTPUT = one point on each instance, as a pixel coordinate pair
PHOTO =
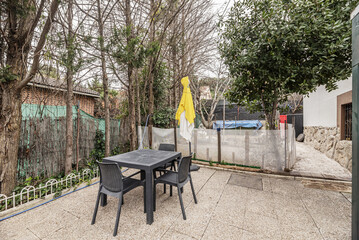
(40, 45)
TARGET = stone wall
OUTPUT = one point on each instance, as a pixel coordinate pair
(327, 140)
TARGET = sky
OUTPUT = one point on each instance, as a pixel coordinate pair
(222, 6)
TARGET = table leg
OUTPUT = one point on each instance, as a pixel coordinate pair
(143, 177)
(149, 196)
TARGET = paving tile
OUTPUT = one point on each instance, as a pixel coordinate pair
(174, 235)
(262, 225)
(266, 184)
(246, 181)
(284, 187)
(221, 230)
(285, 209)
(261, 203)
(16, 233)
(247, 235)
(300, 235)
(51, 222)
(231, 207)
(198, 215)
(348, 196)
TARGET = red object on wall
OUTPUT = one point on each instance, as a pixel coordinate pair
(283, 118)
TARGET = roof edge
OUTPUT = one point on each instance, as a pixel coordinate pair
(63, 90)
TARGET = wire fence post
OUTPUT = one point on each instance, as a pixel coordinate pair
(195, 141)
(246, 147)
(175, 134)
(286, 168)
(219, 144)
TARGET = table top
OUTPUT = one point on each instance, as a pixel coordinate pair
(143, 159)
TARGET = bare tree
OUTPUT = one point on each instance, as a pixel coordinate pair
(70, 89)
(218, 86)
(294, 102)
(100, 22)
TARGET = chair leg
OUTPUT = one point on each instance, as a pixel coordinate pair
(96, 207)
(194, 194)
(118, 216)
(182, 207)
(164, 186)
(171, 190)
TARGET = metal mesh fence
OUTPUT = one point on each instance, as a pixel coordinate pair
(267, 149)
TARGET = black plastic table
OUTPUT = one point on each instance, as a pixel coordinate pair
(146, 160)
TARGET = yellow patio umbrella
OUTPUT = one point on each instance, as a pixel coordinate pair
(185, 112)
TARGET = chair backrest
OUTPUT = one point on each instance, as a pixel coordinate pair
(111, 176)
(167, 147)
(183, 168)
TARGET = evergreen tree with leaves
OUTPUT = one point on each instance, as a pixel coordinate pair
(274, 48)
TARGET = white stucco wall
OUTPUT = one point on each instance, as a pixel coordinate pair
(320, 108)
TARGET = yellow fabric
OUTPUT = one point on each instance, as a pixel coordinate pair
(186, 103)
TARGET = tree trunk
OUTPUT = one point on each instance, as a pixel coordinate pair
(131, 94)
(70, 94)
(104, 81)
(139, 118)
(174, 65)
(19, 30)
(10, 123)
(132, 111)
(150, 72)
(270, 117)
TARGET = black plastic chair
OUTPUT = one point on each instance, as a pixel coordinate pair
(113, 184)
(177, 179)
(172, 165)
(167, 147)
(171, 148)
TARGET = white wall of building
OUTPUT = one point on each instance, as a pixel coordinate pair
(320, 108)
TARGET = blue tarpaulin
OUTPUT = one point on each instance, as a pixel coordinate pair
(240, 123)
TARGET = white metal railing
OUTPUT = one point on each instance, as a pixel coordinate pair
(30, 193)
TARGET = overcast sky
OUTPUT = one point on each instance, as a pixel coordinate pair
(222, 6)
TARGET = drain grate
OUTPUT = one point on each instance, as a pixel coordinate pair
(246, 181)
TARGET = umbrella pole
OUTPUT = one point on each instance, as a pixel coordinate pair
(190, 148)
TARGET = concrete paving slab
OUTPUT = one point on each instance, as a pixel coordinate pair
(199, 215)
(254, 182)
(220, 230)
(261, 203)
(263, 225)
(311, 162)
(231, 207)
(174, 235)
(284, 209)
(247, 235)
